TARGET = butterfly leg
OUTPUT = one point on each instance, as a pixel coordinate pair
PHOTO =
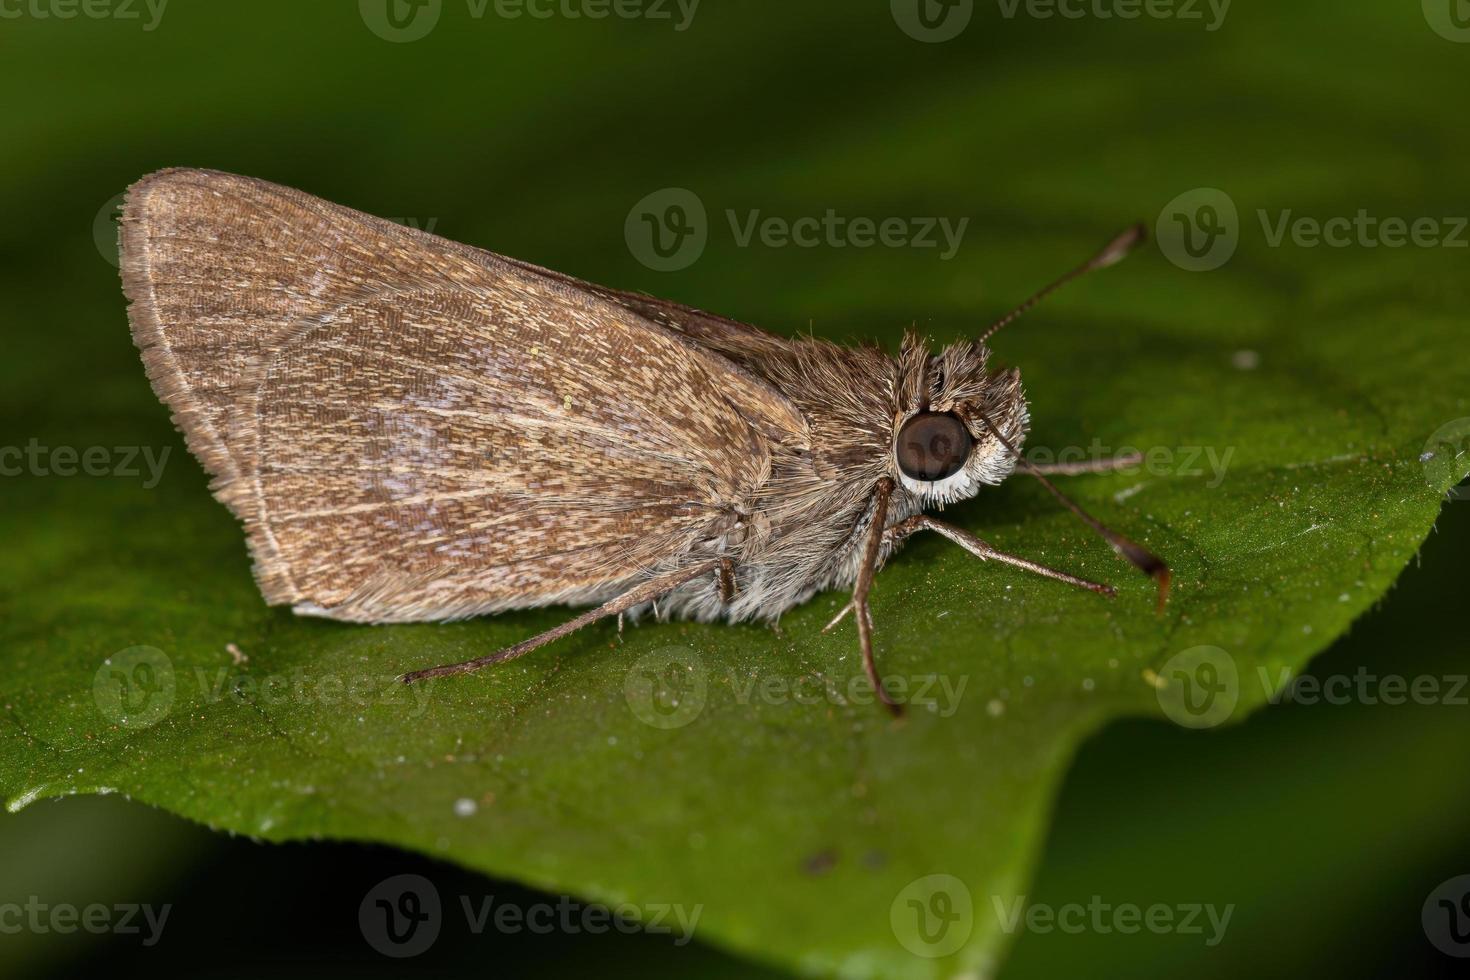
(725, 578)
(1139, 557)
(636, 596)
(982, 549)
(1110, 465)
(860, 589)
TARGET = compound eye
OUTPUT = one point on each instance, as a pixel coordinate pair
(932, 446)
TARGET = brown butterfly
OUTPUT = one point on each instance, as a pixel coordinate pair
(412, 429)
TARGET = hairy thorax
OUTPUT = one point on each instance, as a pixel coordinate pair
(803, 530)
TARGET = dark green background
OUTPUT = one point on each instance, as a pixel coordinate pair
(1326, 826)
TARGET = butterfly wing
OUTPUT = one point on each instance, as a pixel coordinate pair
(742, 343)
(413, 429)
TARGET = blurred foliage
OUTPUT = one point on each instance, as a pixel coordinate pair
(795, 826)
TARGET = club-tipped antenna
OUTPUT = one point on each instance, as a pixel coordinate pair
(1111, 254)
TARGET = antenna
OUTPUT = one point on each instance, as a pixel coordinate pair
(1135, 554)
(1112, 253)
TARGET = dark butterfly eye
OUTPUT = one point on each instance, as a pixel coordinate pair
(932, 446)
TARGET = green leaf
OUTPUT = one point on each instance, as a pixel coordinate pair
(729, 768)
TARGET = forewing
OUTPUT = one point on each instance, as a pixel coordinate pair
(740, 342)
(413, 429)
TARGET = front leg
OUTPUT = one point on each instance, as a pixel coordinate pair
(859, 602)
(725, 580)
(983, 550)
